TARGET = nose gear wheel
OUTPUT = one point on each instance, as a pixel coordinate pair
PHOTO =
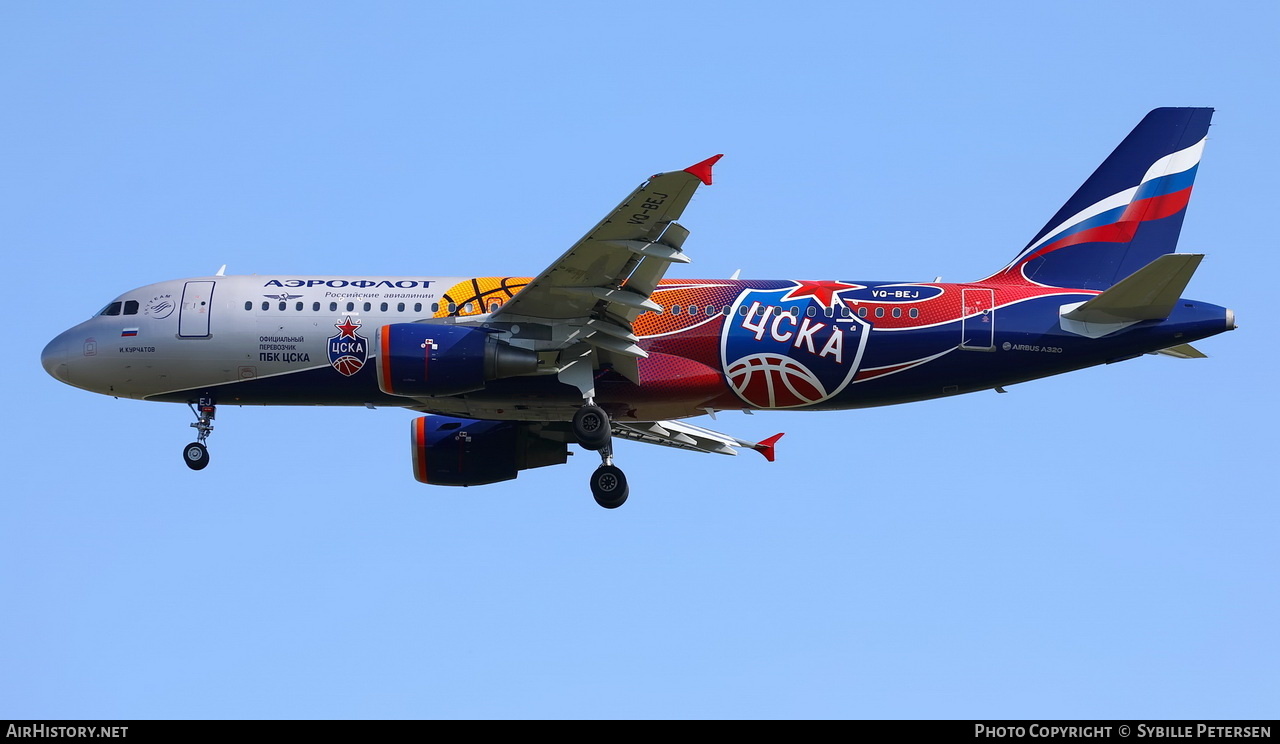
(196, 454)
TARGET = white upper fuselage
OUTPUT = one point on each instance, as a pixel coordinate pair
(205, 331)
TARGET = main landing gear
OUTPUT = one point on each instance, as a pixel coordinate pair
(591, 428)
(196, 455)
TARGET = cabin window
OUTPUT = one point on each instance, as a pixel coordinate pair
(368, 306)
(417, 307)
(711, 310)
(384, 307)
(862, 312)
(283, 305)
(266, 306)
(743, 310)
(493, 307)
(112, 309)
(248, 305)
(879, 312)
(333, 307)
(130, 307)
(453, 307)
(298, 307)
(726, 310)
(315, 307)
(830, 312)
(435, 307)
(400, 307)
(844, 311)
(897, 312)
(675, 309)
(914, 312)
(812, 311)
(351, 306)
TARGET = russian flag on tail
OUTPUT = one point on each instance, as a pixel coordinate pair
(1127, 214)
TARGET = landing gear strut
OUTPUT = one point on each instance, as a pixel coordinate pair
(196, 455)
(591, 428)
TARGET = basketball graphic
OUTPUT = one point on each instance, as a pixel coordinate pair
(480, 295)
(774, 381)
(348, 365)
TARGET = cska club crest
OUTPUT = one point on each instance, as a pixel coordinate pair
(348, 350)
(788, 348)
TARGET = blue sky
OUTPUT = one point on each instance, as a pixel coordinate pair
(1100, 544)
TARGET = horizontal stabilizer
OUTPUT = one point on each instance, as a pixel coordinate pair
(1183, 351)
(1147, 294)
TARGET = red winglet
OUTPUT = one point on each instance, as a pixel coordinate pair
(703, 170)
(766, 447)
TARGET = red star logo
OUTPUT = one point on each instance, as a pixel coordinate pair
(823, 292)
(347, 327)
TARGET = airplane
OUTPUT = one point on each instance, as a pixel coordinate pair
(509, 372)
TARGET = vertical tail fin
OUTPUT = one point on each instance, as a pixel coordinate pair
(1127, 214)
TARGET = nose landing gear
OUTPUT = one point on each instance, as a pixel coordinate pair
(591, 428)
(196, 455)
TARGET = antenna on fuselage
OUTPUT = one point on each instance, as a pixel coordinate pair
(735, 274)
(222, 271)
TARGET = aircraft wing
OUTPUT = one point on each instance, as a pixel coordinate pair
(604, 281)
(689, 437)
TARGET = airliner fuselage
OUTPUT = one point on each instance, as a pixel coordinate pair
(280, 340)
(512, 370)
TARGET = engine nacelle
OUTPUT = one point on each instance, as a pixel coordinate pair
(450, 451)
(423, 359)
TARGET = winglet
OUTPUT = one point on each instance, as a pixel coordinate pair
(703, 170)
(765, 447)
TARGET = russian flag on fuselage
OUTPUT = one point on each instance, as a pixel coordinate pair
(1127, 214)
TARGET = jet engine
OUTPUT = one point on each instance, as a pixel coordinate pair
(421, 359)
(450, 451)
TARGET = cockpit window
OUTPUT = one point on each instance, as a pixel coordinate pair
(112, 309)
(130, 307)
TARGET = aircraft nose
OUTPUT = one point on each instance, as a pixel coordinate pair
(54, 358)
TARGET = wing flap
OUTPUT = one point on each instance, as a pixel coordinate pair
(684, 436)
